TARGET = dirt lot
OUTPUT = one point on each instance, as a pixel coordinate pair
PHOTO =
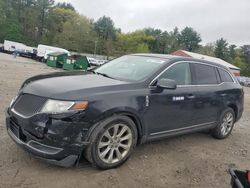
(195, 160)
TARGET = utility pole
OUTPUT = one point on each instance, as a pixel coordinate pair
(95, 48)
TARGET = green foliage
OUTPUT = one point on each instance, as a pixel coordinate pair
(221, 50)
(158, 44)
(207, 49)
(105, 28)
(188, 39)
(237, 61)
(76, 36)
(42, 21)
(12, 31)
(106, 31)
(232, 51)
(65, 6)
(134, 42)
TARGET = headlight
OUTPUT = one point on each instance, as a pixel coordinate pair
(56, 106)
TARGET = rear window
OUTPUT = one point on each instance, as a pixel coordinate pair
(205, 74)
(225, 76)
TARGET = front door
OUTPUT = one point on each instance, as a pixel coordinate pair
(172, 109)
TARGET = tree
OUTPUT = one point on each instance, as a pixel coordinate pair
(221, 50)
(106, 31)
(56, 19)
(246, 59)
(64, 5)
(237, 61)
(134, 42)
(105, 28)
(156, 45)
(189, 39)
(76, 36)
(207, 49)
(246, 53)
(173, 42)
(232, 51)
(44, 8)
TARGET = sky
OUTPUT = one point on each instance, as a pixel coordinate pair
(213, 19)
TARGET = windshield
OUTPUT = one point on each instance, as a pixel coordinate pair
(130, 67)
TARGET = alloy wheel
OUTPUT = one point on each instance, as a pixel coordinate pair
(115, 143)
(227, 123)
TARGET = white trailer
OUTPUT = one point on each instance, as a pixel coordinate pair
(30, 49)
(44, 50)
(11, 46)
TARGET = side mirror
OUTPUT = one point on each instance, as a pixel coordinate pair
(166, 83)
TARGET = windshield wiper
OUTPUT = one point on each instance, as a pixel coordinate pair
(103, 74)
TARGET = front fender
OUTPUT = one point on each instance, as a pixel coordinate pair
(126, 111)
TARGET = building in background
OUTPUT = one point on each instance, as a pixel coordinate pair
(234, 69)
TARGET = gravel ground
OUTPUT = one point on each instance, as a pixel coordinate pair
(195, 160)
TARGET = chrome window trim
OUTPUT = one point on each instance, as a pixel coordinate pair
(194, 62)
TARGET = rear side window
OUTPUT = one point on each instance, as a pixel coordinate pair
(205, 74)
(225, 76)
(180, 73)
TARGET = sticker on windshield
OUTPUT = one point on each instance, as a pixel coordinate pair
(155, 61)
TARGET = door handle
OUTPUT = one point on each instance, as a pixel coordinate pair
(191, 96)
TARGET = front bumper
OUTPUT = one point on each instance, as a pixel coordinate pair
(58, 141)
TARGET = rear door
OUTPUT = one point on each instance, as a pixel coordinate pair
(230, 90)
(208, 86)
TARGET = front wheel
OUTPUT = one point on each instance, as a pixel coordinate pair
(225, 125)
(112, 142)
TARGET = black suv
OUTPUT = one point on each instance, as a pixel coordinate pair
(104, 113)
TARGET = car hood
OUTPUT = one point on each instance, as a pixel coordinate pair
(69, 86)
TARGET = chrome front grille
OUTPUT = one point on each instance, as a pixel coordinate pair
(28, 105)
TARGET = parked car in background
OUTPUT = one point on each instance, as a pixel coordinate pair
(248, 82)
(101, 62)
(104, 114)
(29, 52)
(241, 80)
(92, 61)
(244, 81)
(96, 62)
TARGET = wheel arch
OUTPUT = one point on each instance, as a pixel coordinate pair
(235, 109)
(129, 112)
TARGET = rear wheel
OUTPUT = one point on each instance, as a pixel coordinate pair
(112, 142)
(226, 124)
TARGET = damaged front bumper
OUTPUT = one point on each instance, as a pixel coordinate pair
(56, 139)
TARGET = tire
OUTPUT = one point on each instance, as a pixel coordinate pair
(225, 125)
(109, 150)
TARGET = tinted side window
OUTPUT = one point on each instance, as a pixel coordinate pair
(180, 73)
(205, 74)
(225, 77)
